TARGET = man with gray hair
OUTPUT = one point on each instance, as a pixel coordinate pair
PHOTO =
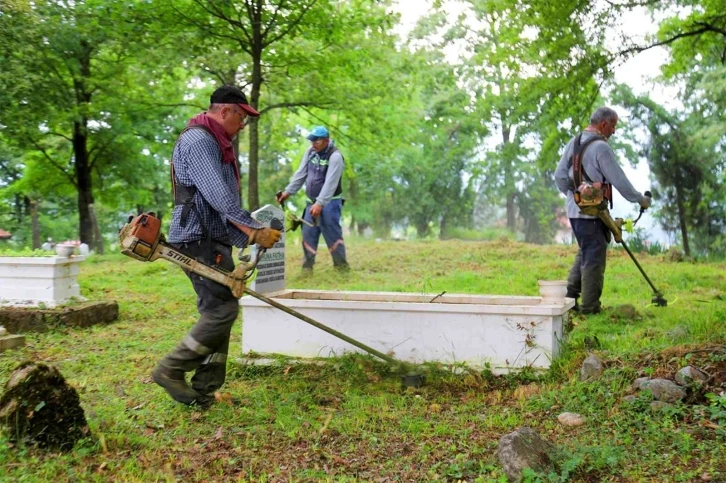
(599, 172)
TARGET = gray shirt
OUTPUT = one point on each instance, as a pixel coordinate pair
(600, 165)
(335, 171)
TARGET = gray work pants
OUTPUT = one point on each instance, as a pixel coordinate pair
(204, 348)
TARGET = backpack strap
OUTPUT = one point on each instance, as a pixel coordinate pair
(184, 195)
(578, 172)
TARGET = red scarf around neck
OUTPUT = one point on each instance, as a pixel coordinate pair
(225, 143)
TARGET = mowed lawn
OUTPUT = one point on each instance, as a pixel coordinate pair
(349, 419)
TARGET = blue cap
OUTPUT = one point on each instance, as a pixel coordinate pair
(318, 132)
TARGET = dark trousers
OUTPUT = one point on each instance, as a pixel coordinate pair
(328, 223)
(587, 275)
(204, 349)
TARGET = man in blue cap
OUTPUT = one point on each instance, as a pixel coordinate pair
(321, 170)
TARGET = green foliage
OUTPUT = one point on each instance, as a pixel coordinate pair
(717, 410)
(686, 170)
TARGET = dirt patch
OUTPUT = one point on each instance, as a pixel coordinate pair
(38, 407)
(22, 319)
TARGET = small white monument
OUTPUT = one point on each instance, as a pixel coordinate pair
(271, 269)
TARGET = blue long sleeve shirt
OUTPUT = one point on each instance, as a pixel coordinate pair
(198, 162)
(336, 165)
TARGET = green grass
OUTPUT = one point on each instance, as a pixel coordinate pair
(349, 420)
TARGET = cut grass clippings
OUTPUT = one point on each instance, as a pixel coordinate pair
(349, 419)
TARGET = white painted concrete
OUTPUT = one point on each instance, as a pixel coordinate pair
(32, 281)
(505, 331)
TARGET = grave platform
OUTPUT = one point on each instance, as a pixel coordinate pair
(503, 332)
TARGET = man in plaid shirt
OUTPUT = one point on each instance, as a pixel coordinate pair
(207, 220)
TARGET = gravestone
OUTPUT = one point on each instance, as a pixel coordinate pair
(271, 269)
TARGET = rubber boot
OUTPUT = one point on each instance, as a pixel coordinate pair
(173, 382)
(210, 376)
(593, 279)
(169, 374)
(574, 281)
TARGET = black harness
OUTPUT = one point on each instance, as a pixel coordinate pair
(577, 170)
(184, 195)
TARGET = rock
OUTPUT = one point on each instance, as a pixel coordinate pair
(689, 375)
(629, 399)
(659, 406)
(524, 448)
(639, 381)
(38, 407)
(678, 332)
(592, 367)
(571, 419)
(664, 390)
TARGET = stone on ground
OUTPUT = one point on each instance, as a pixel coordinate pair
(571, 419)
(689, 375)
(592, 367)
(664, 390)
(524, 448)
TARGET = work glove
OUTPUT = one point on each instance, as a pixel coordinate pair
(265, 237)
(645, 202)
(282, 196)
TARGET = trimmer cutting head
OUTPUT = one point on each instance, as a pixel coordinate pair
(659, 300)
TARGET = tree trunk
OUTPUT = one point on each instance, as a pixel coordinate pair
(511, 219)
(253, 195)
(35, 227)
(682, 221)
(96, 230)
(508, 182)
(82, 162)
(443, 227)
(83, 178)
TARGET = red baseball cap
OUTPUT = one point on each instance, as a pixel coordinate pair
(233, 95)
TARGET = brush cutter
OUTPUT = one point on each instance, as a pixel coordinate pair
(296, 221)
(615, 226)
(141, 239)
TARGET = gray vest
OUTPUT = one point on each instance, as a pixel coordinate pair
(318, 170)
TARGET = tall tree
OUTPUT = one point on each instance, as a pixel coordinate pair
(686, 170)
(68, 76)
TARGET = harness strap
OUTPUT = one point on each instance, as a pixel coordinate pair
(184, 195)
(578, 171)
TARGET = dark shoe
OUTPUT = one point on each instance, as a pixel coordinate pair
(593, 311)
(342, 267)
(176, 386)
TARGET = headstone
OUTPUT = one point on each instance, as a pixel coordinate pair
(271, 268)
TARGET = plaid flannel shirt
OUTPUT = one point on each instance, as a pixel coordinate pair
(198, 162)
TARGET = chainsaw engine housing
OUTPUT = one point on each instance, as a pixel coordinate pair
(139, 237)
